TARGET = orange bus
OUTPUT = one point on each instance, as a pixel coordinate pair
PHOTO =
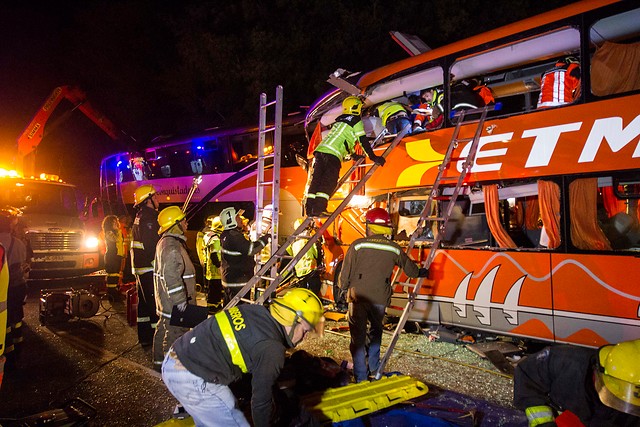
(544, 242)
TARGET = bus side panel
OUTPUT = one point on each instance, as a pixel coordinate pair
(501, 292)
(596, 298)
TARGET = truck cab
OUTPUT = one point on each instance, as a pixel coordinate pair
(51, 224)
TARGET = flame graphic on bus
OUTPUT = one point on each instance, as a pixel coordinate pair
(482, 304)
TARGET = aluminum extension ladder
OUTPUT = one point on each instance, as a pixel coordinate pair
(262, 183)
(281, 253)
(426, 217)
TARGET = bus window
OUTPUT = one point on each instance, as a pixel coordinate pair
(615, 65)
(618, 214)
(513, 71)
(244, 148)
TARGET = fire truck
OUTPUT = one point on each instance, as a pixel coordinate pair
(51, 219)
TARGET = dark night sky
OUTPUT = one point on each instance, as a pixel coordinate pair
(135, 61)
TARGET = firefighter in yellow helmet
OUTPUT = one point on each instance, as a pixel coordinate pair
(569, 385)
(174, 279)
(335, 148)
(208, 248)
(246, 339)
(144, 234)
(309, 268)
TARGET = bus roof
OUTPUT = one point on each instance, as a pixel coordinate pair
(387, 71)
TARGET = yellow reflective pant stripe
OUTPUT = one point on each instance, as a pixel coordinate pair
(538, 415)
(230, 339)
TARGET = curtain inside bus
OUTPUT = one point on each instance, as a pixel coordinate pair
(615, 68)
(585, 230)
(549, 200)
(492, 210)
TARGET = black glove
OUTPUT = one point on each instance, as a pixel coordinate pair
(423, 272)
(356, 157)
(378, 160)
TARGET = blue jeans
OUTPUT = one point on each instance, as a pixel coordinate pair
(396, 125)
(208, 404)
(361, 314)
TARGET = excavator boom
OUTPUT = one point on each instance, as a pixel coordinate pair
(31, 137)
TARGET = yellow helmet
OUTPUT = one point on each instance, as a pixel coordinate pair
(352, 105)
(296, 304)
(617, 378)
(169, 217)
(142, 193)
(216, 224)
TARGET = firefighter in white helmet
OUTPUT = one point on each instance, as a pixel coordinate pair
(144, 233)
(174, 279)
(246, 339)
(570, 385)
(365, 277)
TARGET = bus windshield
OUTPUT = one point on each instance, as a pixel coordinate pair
(40, 198)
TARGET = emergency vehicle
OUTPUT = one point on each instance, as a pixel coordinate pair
(545, 233)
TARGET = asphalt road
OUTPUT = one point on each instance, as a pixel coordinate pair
(99, 360)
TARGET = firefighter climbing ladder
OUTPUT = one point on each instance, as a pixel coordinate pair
(281, 254)
(448, 162)
(263, 157)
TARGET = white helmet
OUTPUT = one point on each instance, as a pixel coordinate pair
(228, 218)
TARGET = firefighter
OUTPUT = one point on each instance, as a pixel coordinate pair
(563, 384)
(365, 277)
(113, 256)
(246, 339)
(560, 85)
(339, 143)
(208, 247)
(307, 269)
(174, 279)
(18, 268)
(238, 252)
(394, 116)
(4, 290)
(144, 233)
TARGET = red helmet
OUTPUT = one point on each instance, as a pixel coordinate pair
(378, 216)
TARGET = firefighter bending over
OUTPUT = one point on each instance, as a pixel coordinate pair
(244, 339)
(366, 276)
(174, 278)
(339, 143)
(143, 250)
(237, 253)
(569, 385)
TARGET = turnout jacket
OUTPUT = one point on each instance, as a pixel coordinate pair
(341, 139)
(561, 377)
(145, 238)
(366, 271)
(262, 342)
(174, 276)
(237, 257)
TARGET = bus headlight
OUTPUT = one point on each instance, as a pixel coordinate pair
(91, 242)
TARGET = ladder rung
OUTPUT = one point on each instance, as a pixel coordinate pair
(413, 285)
(455, 141)
(352, 181)
(267, 156)
(457, 159)
(267, 278)
(268, 129)
(265, 183)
